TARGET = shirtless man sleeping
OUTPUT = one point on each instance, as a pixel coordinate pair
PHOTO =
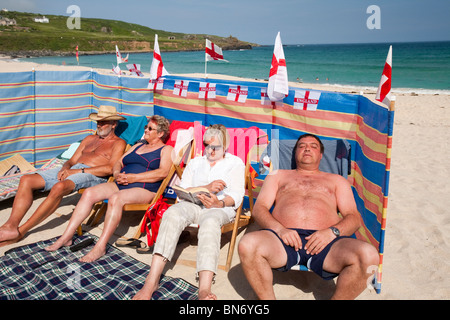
(304, 227)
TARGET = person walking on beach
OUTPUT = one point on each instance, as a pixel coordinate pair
(223, 175)
(90, 165)
(304, 227)
(138, 176)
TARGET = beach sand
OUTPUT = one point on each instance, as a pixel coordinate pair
(416, 255)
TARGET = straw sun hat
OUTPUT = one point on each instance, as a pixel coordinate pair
(105, 113)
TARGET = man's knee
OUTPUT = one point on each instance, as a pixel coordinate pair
(247, 246)
(62, 188)
(32, 182)
(365, 255)
(369, 256)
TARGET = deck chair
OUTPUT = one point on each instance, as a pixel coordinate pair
(131, 130)
(246, 143)
(280, 154)
(183, 154)
(181, 138)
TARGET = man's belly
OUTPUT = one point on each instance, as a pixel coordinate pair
(312, 213)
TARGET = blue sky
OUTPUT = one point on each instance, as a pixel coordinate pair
(258, 21)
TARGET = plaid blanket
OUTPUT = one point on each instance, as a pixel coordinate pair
(31, 273)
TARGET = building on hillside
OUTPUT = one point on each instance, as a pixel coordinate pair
(7, 22)
(41, 19)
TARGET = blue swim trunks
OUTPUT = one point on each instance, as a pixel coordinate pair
(81, 180)
(300, 257)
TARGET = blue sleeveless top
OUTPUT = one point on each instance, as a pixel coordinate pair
(138, 163)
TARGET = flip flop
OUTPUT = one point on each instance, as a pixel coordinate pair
(145, 250)
(83, 244)
(130, 243)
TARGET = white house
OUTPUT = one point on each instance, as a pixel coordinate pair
(41, 20)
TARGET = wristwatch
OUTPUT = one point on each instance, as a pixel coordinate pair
(336, 231)
(82, 170)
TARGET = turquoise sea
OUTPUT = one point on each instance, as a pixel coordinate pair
(419, 67)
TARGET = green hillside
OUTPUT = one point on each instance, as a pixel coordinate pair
(28, 37)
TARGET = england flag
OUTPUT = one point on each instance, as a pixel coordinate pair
(119, 57)
(384, 89)
(207, 90)
(135, 69)
(213, 52)
(157, 69)
(237, 93)
(306, 100)
(156, 84)
(266, 101)
(278, 87)
(116, 69)
(180, 88)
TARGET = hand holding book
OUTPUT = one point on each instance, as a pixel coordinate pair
(202, 195)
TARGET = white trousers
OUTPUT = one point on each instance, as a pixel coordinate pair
(181, 215)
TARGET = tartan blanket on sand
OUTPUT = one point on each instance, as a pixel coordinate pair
(31, 273)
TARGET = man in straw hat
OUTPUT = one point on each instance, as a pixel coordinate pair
(91, 164)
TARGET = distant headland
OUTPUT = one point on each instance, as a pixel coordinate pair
(29, 34)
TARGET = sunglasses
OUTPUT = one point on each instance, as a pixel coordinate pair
(149, 128)
(213, 148)
(102, 123)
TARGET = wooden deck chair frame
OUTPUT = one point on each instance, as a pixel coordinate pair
(185, 154)
(241, 220)
(100, 206)
(99, 209)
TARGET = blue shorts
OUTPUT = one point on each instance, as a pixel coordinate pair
(300, 257)
(81, 180)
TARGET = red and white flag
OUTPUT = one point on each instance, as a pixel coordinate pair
(306, 100)
(180, 88)
(116, 69)
(135, 69)
(266, 101)
(119, 57)
(207, 90)
(278, 87)
(384, 89)
(157, 69)
(237, 93)
(156, 84)
(213, 52)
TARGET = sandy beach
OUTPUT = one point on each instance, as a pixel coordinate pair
(416, 256)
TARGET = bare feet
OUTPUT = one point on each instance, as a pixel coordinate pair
(145, 293)
(94, 254)
(206, 295)
(8, 233)
(58, 244)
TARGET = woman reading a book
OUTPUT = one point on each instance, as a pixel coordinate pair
(138, 175)
(222, 175)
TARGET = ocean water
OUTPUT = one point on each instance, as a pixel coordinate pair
(418, 67)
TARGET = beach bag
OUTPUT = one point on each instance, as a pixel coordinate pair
(154, 215)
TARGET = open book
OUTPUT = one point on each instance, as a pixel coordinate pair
(190, 195)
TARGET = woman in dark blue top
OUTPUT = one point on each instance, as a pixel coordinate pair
(138, 175)
(134, 162)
